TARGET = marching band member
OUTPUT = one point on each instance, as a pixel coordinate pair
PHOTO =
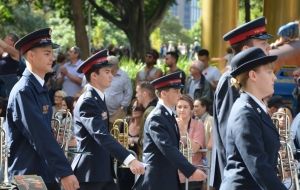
(252, 141)
(250, 34)
(95, 171)
(161, 141)
(33, 149)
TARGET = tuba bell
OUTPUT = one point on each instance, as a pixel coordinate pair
(120, 132)
(62, 128)
(287, 165)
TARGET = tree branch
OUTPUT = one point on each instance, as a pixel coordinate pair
(107, 16)
(158, 15)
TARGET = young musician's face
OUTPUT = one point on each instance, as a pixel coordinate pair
(263, 44)
(265, 79)
(172, 96)
(104, 78)
(58, 98)
(284, 117)
(41, 60)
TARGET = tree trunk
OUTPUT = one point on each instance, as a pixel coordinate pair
(139, 44)
(80, 32)
(134, 22)
(247, 11)
(138, 36)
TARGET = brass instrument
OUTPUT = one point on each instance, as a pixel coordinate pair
(4, 151)
(62, 128)
(185, 147)
(287, 165)
(120, 132)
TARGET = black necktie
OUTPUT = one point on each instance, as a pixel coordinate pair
(175, 123)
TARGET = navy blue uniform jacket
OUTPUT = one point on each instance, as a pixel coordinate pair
(225, 96)
(161, 143)
(33, 148)
(252, 145)
(93, 136)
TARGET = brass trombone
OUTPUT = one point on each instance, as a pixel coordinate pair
(287, 165)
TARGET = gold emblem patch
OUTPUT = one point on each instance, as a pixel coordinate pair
(45, 109)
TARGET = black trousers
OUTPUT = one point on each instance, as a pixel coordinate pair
(52, 186)
(98, 186)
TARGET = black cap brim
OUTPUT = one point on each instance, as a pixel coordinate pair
(176, 86)
(252, 64)
(265, 36)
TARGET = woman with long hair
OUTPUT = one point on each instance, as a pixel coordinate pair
(190, 130)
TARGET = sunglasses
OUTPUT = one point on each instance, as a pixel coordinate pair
(149, 56)
(137, 108)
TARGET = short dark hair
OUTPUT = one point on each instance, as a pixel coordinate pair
(77, 50)
(203, 52)
(154, 53)
(205, 103)
(88, 74)
(173, 54)
(287, 107)
(69, 101)
(275, 101)
(237, 48)
(146, 85)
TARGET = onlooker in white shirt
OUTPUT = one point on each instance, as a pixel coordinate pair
(212, 74)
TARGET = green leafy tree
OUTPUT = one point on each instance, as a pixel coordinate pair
(20, 18)
(105, 33)
(137, 18)
(172, 30)
(62, 31)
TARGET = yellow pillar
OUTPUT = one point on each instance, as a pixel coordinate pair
(279, 12)
(218, 17)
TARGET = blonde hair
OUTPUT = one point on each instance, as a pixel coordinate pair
(61, 92)
(240, 80)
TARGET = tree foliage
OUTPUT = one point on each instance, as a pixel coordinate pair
(20, 18)
(137, 18)
(172, 30)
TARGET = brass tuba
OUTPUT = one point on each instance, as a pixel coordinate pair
(62, 128)
(120, 132)
(287, 165)
(4, 151)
